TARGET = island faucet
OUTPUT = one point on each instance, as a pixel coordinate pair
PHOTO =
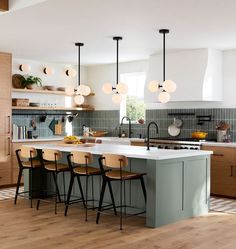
(129, 124)
(148, 133)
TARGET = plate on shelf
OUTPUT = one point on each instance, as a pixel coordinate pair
(17, 80)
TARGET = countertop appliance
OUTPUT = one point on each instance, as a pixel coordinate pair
(177, 143)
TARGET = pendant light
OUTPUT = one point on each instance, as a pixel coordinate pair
(82, 90)
(120, 88)
(168, 86)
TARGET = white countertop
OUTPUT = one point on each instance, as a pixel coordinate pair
(232, 144)
(113, 140)
(127, 150)
(39, 139)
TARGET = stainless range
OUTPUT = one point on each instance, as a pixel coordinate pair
(176, 143)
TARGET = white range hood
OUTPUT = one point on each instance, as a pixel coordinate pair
(197, 74)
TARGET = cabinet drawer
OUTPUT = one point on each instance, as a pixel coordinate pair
(138, 144)
(221, 154)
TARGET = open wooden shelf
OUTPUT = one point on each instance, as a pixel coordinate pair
(43, 91)
(53, 108)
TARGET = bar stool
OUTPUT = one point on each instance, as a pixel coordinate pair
(27, 159)
(79, 166)
(116, 163)
(54, 167)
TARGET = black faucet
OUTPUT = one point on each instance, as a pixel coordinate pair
(129, 124)
(148, 131)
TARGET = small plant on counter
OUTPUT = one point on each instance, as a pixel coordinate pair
(29, 81)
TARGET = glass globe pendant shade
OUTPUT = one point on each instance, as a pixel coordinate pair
(169, 86)
(80, 89)
(116, 98)
(79, 99)
(122, 88)
(164, 97)
(86, 90)
(153, 86)
(107, 88)
(70, 90)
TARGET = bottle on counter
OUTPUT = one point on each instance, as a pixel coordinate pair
(123, 134)
(85, 131)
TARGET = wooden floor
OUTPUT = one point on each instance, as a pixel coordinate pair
(23, 227)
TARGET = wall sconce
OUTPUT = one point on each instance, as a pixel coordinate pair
(24, 68)
(70, 72)
(48, 70)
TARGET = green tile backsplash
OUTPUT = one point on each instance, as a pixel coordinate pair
(109, 121)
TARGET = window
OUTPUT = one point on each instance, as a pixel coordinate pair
(133, 105)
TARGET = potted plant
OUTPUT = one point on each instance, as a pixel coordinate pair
(30, 82)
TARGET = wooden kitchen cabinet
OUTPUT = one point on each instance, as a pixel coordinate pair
(5, 75)
(5, 118)
(223, 170)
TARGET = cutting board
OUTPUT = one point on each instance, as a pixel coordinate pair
(58, 128)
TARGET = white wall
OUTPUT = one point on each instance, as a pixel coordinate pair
(98, 75)
(59, 78)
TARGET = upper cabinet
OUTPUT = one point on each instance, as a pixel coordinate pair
(5, 75)
(197, 74)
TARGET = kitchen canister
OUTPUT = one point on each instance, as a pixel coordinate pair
(221, 135)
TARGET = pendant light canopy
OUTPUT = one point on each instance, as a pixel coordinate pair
(120, 88)
(168, 86)
(82, 90)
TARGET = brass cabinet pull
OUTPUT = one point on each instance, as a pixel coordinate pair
(9, 146)
(231, 170)
(216, 154)
(9, 124)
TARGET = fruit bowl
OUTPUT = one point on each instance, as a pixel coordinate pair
(71, 140)
(199, 135)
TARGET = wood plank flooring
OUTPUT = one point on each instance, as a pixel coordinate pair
(23, 227)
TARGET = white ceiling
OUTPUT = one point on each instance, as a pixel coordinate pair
(47, 30)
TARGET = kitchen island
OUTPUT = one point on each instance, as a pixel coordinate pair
(177, 181)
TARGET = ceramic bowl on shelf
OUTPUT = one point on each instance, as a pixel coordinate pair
(51, 88)
(61, 89)
(34, 87)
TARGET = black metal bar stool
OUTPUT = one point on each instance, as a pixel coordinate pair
(55, 167)
(27, 159)
(116, 163)
(79, 166)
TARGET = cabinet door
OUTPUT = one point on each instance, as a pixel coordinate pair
(222, 178)
(5, 147)
(5, 172)
(5, 75)
(5, 117)
(5, 160)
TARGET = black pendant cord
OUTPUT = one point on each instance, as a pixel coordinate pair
(79, 44)
(117, 61)
(164, 57)
(117, 38)
(164, 32)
